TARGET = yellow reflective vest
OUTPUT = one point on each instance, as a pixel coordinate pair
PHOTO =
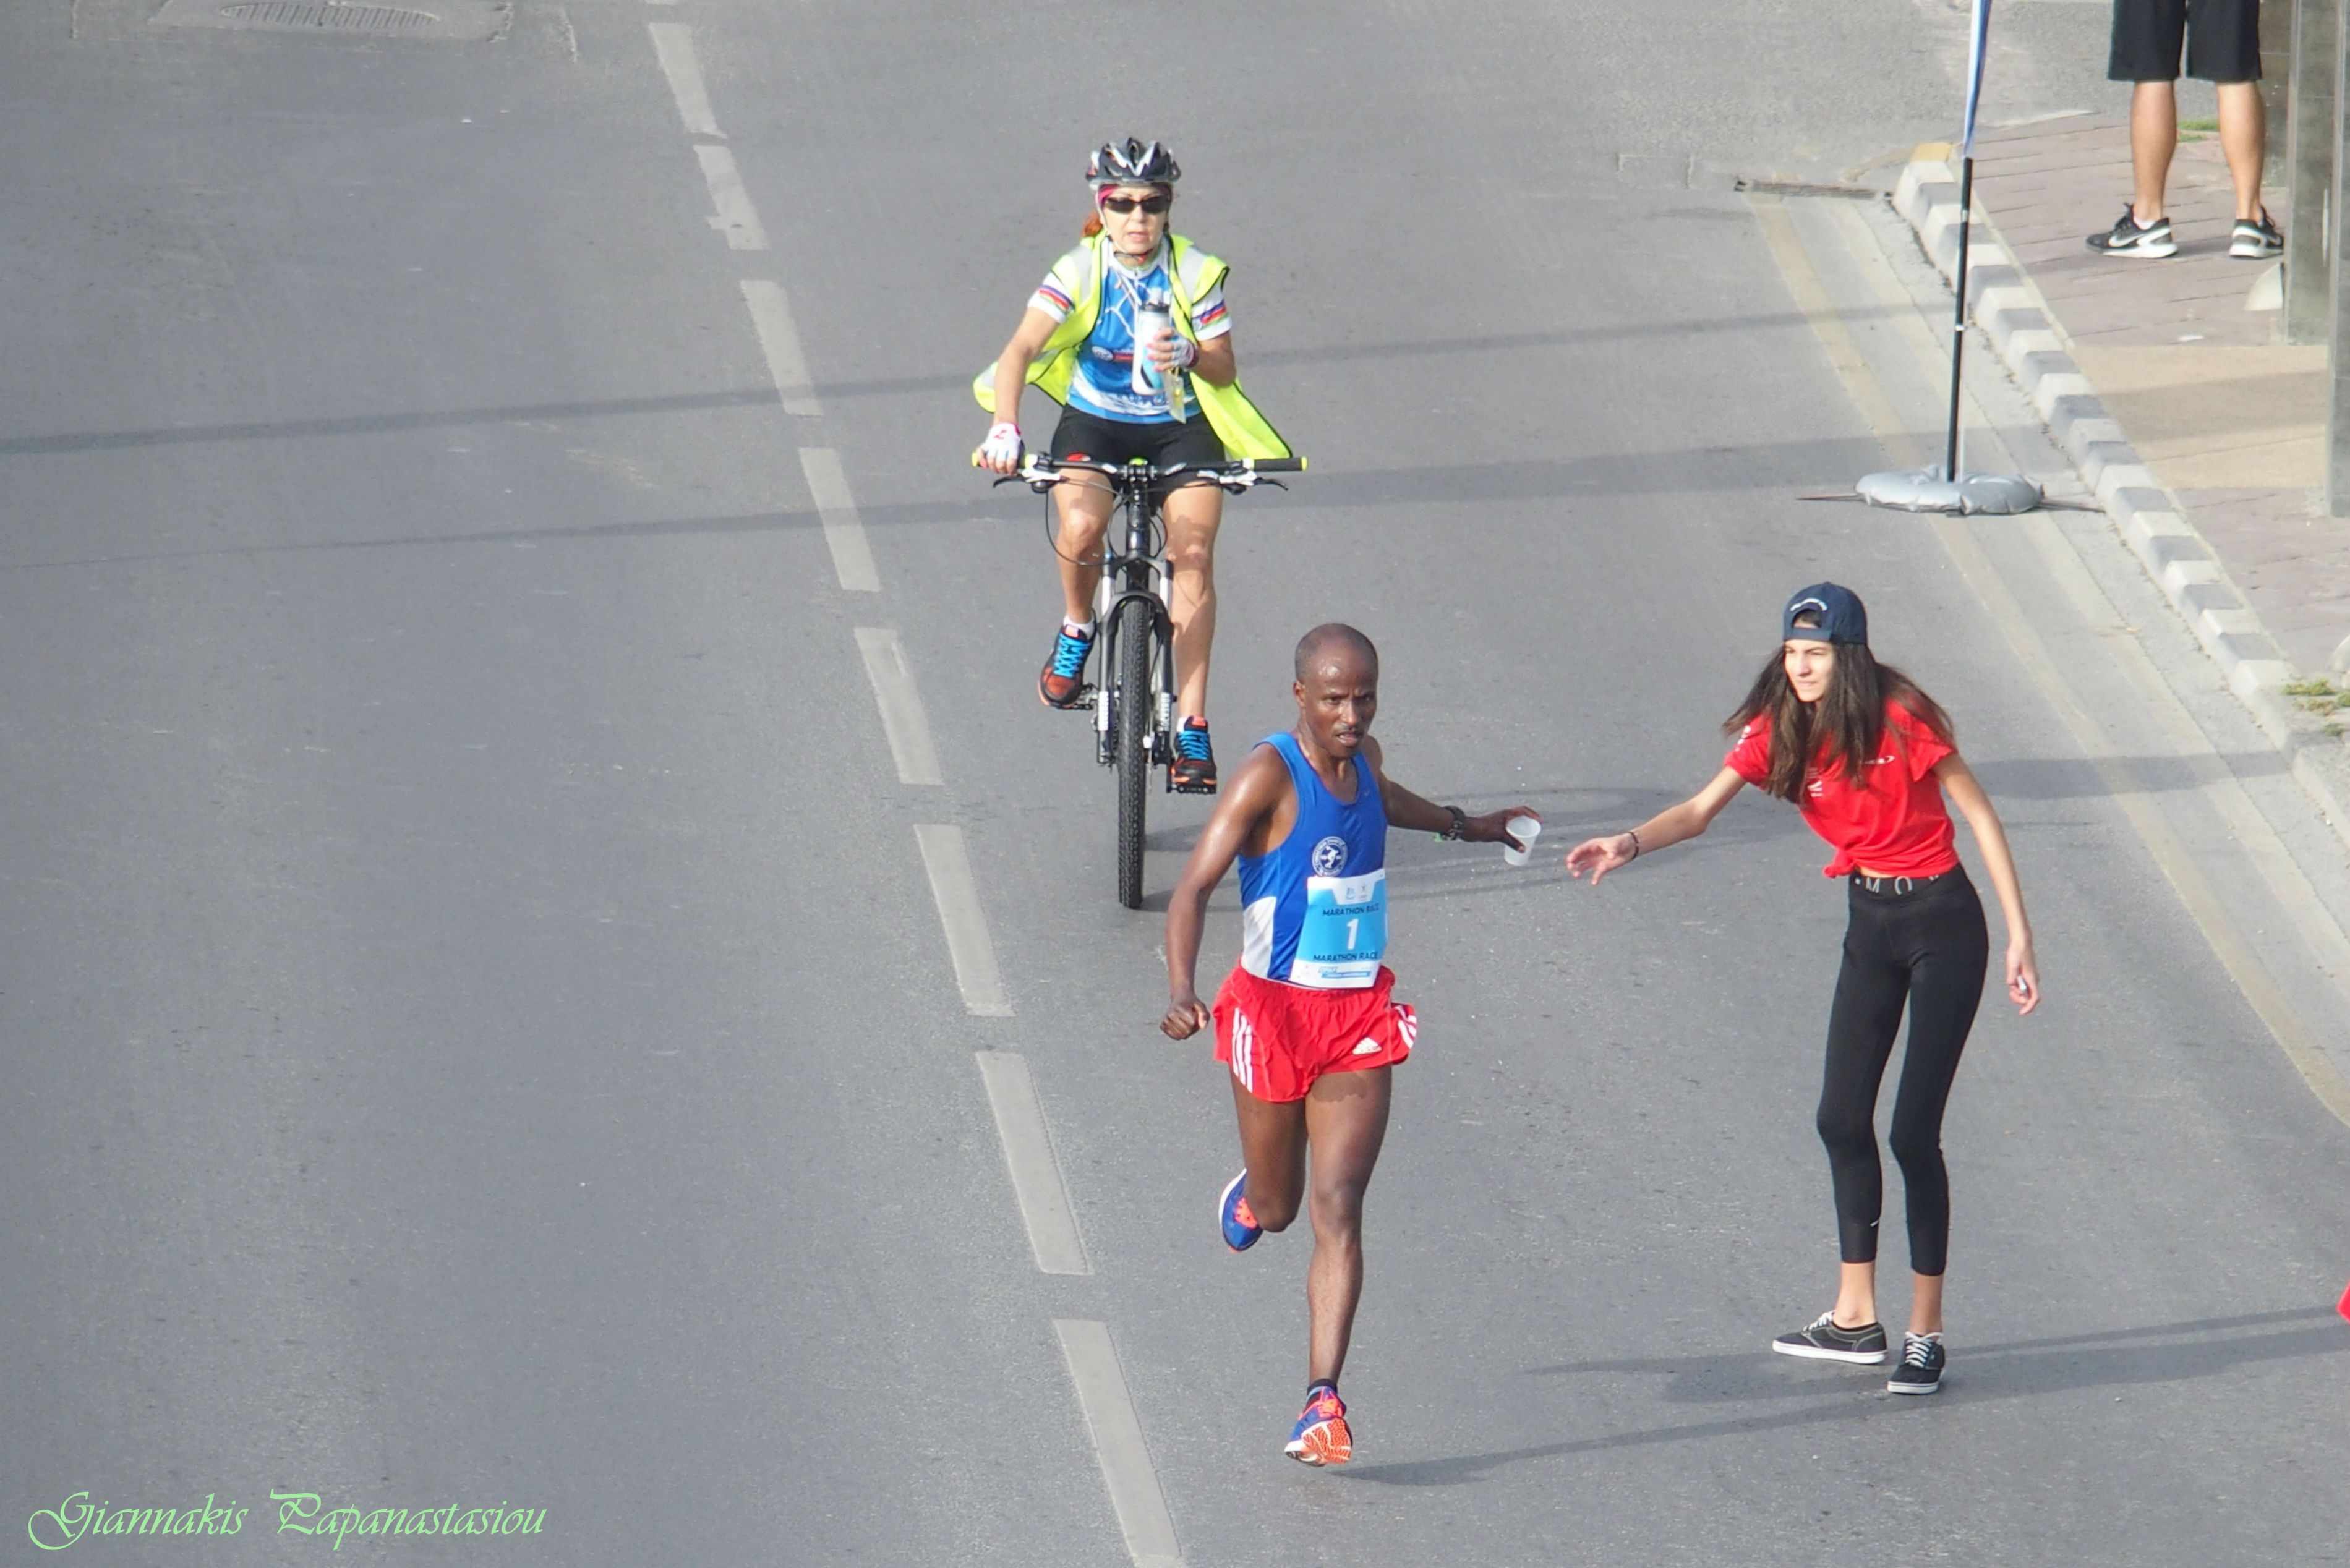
(1244, 432)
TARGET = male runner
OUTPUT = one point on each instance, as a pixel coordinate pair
(1307, 1021)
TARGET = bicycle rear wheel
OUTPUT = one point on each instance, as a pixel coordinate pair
(1132, 638)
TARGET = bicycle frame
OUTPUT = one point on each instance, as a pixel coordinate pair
(1129, 737)
(1135, 572)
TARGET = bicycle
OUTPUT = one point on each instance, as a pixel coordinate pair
(1134, 703)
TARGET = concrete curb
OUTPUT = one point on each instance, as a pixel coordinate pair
(2032, 344)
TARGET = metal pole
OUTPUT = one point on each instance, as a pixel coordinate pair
(2278, 19)
(2309, 157)
(1959, 324)
(2337, 420)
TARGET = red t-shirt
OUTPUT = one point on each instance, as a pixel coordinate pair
(1894, 822)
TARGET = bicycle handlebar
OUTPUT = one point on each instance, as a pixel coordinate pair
(1043, 472)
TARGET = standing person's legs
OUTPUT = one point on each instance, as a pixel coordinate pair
(2154, 136)
(1193, 513)
(1345, 1122)
(1871, 988)
(2148, 39)
(2244, 137)
(1948, 949)
(2223, 47)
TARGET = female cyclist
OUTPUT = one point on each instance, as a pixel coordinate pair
(1184, 405)
(1867, 756)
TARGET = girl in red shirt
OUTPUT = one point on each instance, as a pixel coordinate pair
(1867, 756)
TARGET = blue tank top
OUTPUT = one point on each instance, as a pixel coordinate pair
(1313, 910)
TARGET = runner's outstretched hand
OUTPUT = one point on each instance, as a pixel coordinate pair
(1186, 1016)
(1493, 827)
(1600, 855)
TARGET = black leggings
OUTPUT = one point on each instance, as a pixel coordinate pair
(1930, 947)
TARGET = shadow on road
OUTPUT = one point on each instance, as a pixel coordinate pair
(2019, 1368)
(755, 397)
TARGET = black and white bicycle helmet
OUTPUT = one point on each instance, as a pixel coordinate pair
(1133, 164)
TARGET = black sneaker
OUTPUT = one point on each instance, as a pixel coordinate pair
(1192, 771)
(2129, 237)
(1922, 1361)
(2256, 239)
(1823, 1341)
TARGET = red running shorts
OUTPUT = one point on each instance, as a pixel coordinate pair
(1278, 1038)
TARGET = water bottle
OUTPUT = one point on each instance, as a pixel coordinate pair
(1153, 320)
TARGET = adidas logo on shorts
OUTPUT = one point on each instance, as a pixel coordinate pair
(1367, 1048)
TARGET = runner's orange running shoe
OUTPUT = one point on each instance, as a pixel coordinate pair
(1321, 1436)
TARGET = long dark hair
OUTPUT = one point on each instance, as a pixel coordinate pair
(1845, 728)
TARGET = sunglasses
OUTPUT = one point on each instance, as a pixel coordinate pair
(1122, 206)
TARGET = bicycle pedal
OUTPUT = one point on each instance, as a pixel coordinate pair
(1192, 789)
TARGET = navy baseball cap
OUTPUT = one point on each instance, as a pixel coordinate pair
(1841, 617)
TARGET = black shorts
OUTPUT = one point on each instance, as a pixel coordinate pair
(1089, 436)
(2222, 41)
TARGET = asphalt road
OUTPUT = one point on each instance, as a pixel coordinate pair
(481, 1027)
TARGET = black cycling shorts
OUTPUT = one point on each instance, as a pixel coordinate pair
(1084, 435)
(2222, 41)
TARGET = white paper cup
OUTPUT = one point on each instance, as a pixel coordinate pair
(1527, 830)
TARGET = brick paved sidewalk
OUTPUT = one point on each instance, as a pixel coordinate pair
(2232, 421)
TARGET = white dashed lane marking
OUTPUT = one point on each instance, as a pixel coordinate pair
(1036, 1183)
(673, 47)
(902, 719)
(1037, 1186)
(844, 534)
(736, 217)
(968, 944)
(779, 340)
(1134, 1491)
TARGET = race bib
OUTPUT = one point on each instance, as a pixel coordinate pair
(1345, 933)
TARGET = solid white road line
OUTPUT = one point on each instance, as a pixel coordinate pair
(1035, 1175)
(736, 217)
(779, 340)
(673, 47)
(852, 558)
(902, 719)
(1134, 1491)
(968, 943)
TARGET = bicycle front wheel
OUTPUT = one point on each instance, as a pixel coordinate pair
(1133, 638)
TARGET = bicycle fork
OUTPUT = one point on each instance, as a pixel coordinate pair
(1140, 580)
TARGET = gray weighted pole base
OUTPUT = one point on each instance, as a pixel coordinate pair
(1925, 490)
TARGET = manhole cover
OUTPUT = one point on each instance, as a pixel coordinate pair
(457, 20)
